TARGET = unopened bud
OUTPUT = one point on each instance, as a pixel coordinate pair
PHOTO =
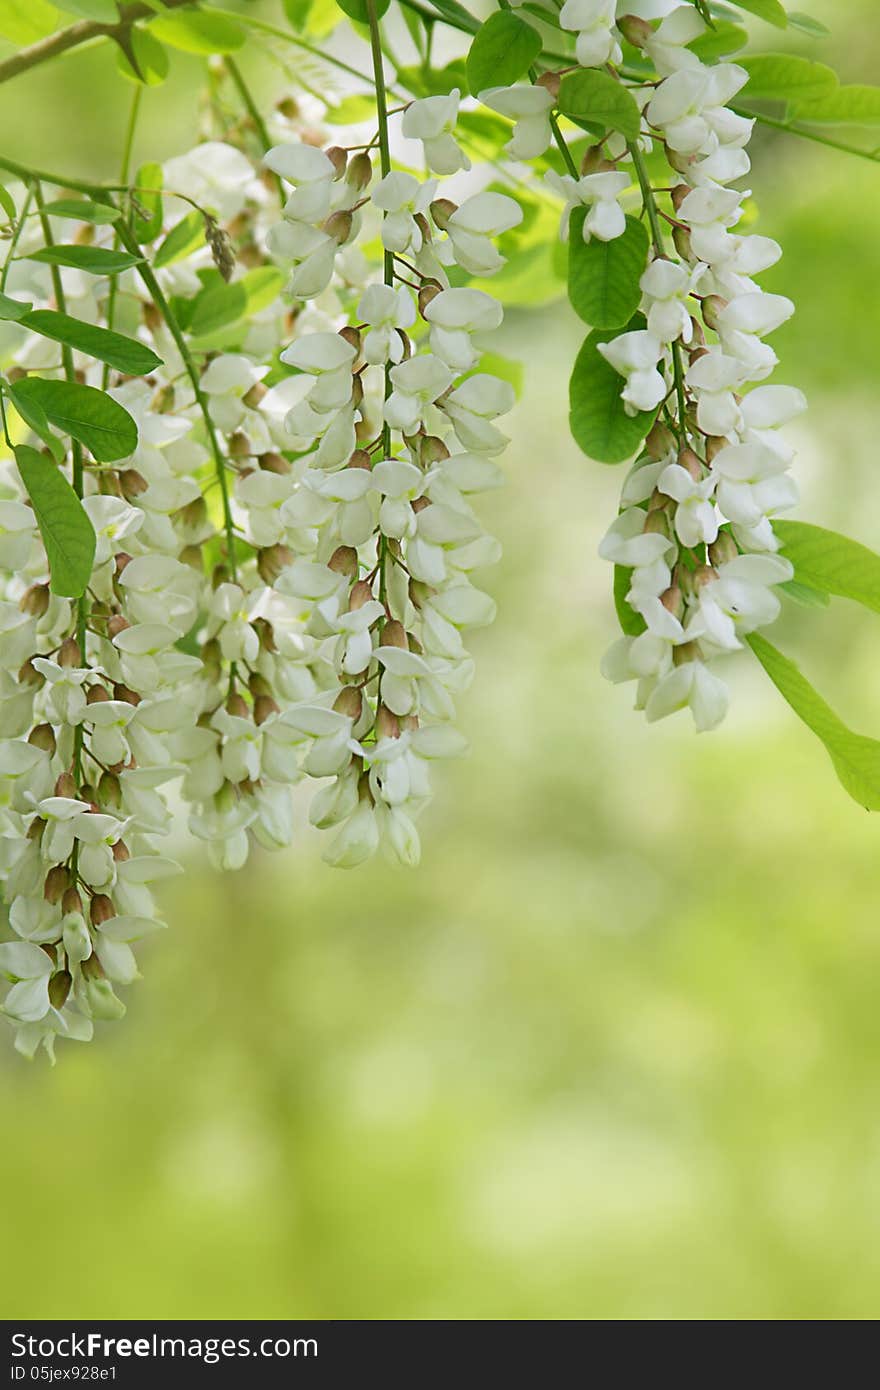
(110, 790)
(29, 675)
(338, 158)
(551, 82)
(338, 226)
(681, 240)
(65, 785)
(132, 484)
(360, 171)
(429, 290)
(387, 725)
(703, 575)
(239, 445)
(690, 461)
(116, 624)
(252, 397)
(635, 30)
(125, 693)
(272, 561)
(273, 462)
(361, 593)
(712, 307)
(349, 702)
(264, 706)
(352, 337)
(441, 210)
(394, 635)
(43, 737)
(673, 601)
(360, 459)
(237, 706)
(96, 695)
(723, 549)
(35, 600)
(688, 651)
(344, 560)
(432, 450)
(659, 441)
(59, 988)
(101, 909)
(56, 884)
(71, 901)
(419, 592)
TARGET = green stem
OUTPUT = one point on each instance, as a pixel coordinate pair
(873, 156)
(387, 257)
(124, 166)
(16, 233)
(253, 111)
(563, 147)
(77, 454)
(161, 303)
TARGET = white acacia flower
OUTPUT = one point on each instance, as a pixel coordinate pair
(402, 198)
(529, 107)
(666, 286)
(635, 355)
(696, 519)
(417, 384)
(690, 686)
(740, 600)
(593, 22)
(17, 532)
(473, 228)
(456, 315)
(753, 483)
(432, 120)
(387, 311)
(599, 194)
(29, 969)
(473, 406)
(311, 173)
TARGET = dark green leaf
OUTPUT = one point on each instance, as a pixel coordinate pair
(603, 276)
(7, 203)
(599, 423)
(502, 51)
(25, 21)
(220, 305)
(194, 32)
(856, 758)
(125, 354)
(68, 534)
(769, 10)
(718, 42)
(147, 193)
(35, 418)
(94, 260)
(89, 415)
(84, 211)
(631, 622)
(852, 105)
(181, 240)
(596, 99)
(805, 595)
(357, 9)
(141, 58)
(13, 308)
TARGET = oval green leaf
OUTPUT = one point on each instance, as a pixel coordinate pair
(593, 98)
(181, 241)
(769, 10)
(830, 562)
(104, 11)
(94, 260)
(851, 105)
(13, 309)
(35, 418)
(147, 194)
(856, 759)
(357, 9)
(141, 57)
(101, 214)
(68, 534)
(194, 32)
(503, 50)
(784, 77)
(598, 420)
(221, 305)
(603, 276)
(87, 414)
(125, 354)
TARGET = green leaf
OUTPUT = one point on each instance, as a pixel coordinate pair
(596, 99)
(25, 21)
(433, 82)
(181, 240)
(631, 622)
(220, 305)
(68, 534)
(804, 594)
(194, 32)
(35, 418)
(13, 309)
(603, 276)
(89, 415)
(851, 105)
(783, 77)
(125, 354)
(856, 758)
(718, 42)
(141, 58)
(831, 562)
(147, 192)
(296, 12)
(599, 423)
(101, 214)
(352, 110)
(357, 9)
(769, 10)
(104, 11)
(94, 260)
(7, 203)
(807, 25)
(502, 51)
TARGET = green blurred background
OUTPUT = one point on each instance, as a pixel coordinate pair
(614, 1050)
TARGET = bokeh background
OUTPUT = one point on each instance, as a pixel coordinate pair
(613, 1051)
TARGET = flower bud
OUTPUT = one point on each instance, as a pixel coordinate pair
(253, 397)
(359, 173)
(723, 549)
(658, 523)
(43, 736)
(35, 600)
(349, 702)
(352, 337)
(344, 560)
(125, 693)
(65, 785)
(273, 462)
(71, 901)
(681, 240)
(338, 226)
(432, 450)
(237, 705)
(387, 725)
(264, 706)
(338, 158)
(191, 555)
(117, 624)
(551, 82)
(394, 635)
(96, 695)
(635, 30)
(101, 909)
(132, 484)
(679, 193)
(29, 675)
(429, 290)
(121, 852)
(688, 651)
(712, 307)
(673, 601)
(56, 884)
(659, 441)
(110, 790)
(441, 210)
(691, 462)
(59, 988)
(272, 561)
(361, 593)
(703, 575)
(239, 445)
(360, 459)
